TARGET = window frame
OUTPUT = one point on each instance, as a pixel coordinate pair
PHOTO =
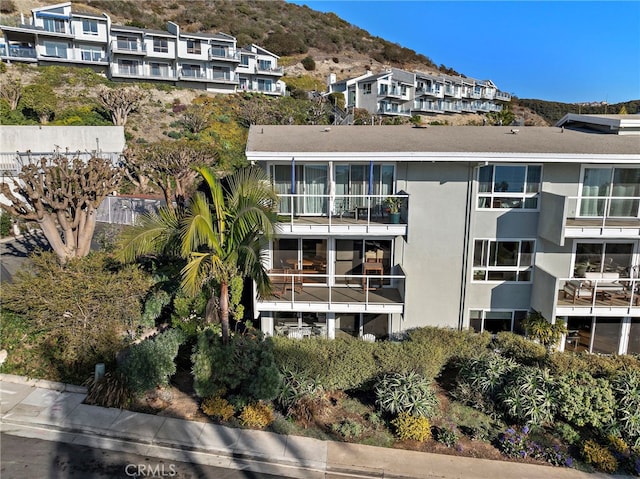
(194, 47)
(495, 197)
(483, 317)
(486, 268)
(160, 45)
(57, 24)
(88, 27)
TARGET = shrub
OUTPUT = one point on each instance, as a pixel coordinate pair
(294, 387)
(447, 435)
(595, 364)
(406, 392)
(487, 374)
(528, 395)
(309, 63)
(256, 415)
(539, 328)
(519, 348)
(218, 408)
(409, 427)
(151, 363)
(348, 428)
(567, 433)
(585, 401)
(5, 224)
(516, 443)
(626, 387)
(472, 422)
(599, 457)
(109, 391)
(243, 367)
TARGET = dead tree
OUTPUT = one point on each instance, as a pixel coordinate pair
(121, 101)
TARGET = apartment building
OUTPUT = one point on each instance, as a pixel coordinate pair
(398, 92)
(494, 222)
(57, 35)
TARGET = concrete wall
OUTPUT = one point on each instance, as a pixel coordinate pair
(46, 139)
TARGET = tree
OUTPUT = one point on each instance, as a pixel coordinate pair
(41, 99)
(11, 91)
(195, 119)
(220, 234)
(62, 193)
(623, 110)
(168, 164)
(121, 101)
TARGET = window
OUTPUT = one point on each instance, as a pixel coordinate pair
(55, 49)
(497, 321)
(89, 27)
(191, 71)
(159, 69)
(127, 43)
(218, 51)
(160, 45)
(611, 192)
(503, 260)
(603, 258)
(509, 186)
(127, 67)
(366, 89)
(265, 85)
(244, 60)
(90, 54)
(220, 73)
(53, 25)
(264, 65)
(193, 46)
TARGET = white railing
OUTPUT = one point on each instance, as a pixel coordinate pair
(128, 46)
(603, 208)
(359, 207)
(598, 293)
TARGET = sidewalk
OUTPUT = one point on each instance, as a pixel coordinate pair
(54, 411)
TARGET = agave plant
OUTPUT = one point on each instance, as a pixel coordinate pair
(626, 387)
(528, 395)
(406, 392)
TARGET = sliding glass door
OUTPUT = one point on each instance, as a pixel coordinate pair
(612, 192)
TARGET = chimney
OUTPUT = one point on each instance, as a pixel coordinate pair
(331, 79)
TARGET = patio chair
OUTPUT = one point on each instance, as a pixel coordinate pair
(369, 338)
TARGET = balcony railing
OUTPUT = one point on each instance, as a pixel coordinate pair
(503, 96)
(599, 295)
(17, 52)
(223, 54)
(361, 208)
(270, 70)
(385, 292)
(128, 46)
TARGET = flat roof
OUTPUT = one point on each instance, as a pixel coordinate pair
(406, 140)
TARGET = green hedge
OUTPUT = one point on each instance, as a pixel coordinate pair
(353, 364)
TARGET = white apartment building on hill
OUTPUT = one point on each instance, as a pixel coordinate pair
(56, 35)
(494, 222)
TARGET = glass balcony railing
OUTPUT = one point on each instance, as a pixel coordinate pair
(17, 52)
(342, 209)
(311, 287)
(598, 291)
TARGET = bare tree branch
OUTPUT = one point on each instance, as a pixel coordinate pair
(121, 101)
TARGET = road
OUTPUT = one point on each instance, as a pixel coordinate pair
(35, 458)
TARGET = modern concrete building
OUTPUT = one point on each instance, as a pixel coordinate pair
(494, 222)
(398, 92)
(57, 35)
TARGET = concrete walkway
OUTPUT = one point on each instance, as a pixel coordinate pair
(55, 411)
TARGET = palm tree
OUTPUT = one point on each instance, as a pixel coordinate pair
(219, 234)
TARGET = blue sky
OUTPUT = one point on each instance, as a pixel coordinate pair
(567, 51)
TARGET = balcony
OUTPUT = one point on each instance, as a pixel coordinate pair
(308, 291)
(555, 296)
(503, 96)
(588, 217)
(223, 54)
(393, 109)
(18, 52)
(339, 214)
(269, 70)
(430, 91)
(428, 106)
(130, 47)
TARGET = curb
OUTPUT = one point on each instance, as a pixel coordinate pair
(43, 383)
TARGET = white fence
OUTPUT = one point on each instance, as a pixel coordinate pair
(124, 210)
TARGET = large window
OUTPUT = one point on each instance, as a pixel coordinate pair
(159, 69)
(603, 258)
(89, 27)
(611, 192)
(54, 25)
(128, 67)
(509, 186)
(264, 65)
(496, 321)
(55, 49)
(362, 180)
(503, 260)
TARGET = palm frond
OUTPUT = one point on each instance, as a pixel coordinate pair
(154, 233)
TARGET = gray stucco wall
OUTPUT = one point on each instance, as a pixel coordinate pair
(433, 255)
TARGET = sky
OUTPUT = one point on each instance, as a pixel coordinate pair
(565, 51)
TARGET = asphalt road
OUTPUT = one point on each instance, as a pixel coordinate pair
(35, 458)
